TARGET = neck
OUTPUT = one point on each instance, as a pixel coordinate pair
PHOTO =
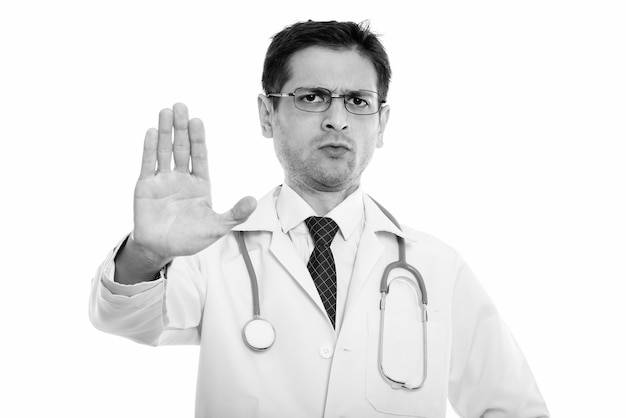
(322, 202)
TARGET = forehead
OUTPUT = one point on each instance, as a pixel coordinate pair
(337, 70)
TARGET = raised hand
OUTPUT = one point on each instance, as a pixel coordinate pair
(173, 213)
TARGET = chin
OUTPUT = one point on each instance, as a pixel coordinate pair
(335, 183)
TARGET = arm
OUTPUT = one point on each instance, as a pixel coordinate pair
(173, 212)
(173, 219)
(489, 376)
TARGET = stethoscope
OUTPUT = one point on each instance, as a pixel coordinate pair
(259, 334)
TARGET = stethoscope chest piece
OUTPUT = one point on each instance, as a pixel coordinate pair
(259, 334)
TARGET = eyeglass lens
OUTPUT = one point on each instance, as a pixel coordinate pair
(360, 102)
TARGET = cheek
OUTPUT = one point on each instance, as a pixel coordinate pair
(372, 138)
(293, 127)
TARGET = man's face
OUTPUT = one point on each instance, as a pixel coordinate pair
(325, 151)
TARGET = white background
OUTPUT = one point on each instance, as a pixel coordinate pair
(506, 140)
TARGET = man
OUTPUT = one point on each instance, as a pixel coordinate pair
(185, 273)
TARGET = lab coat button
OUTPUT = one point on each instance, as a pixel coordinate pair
(326, 351)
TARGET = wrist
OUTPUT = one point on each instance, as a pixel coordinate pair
(149, 259)
(135, 263)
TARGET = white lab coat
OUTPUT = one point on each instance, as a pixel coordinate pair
(311, 371)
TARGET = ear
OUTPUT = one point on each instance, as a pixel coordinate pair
(266, 110)
(383, 118)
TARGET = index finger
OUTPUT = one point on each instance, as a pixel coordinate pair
(199, 161)
(149, 159)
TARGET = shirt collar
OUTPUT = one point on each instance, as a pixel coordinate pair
(292, 210)
(266, 218)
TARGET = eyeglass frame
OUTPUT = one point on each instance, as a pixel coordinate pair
(381, 102)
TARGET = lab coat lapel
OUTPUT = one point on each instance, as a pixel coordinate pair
(369, 252)
(264, 218)
(371, 248)
(285, 252)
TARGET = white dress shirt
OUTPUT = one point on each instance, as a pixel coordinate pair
(292, 211)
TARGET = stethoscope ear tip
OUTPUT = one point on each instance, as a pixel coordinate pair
(258, 334)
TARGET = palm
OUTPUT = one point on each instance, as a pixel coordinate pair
(173, 213)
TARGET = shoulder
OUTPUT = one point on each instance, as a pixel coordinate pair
(423, 244)
(425, 239)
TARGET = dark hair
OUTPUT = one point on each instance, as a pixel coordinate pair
(334, 35)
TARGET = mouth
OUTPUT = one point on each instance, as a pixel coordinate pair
(335, 150)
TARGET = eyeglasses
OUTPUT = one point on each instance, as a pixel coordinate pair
(318, 99)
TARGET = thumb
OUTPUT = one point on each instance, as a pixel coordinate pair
(241, 211)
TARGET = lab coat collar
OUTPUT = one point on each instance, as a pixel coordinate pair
(265, 217)
(377, 221)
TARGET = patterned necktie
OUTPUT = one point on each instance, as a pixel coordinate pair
(322, 263)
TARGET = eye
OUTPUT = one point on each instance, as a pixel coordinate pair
(358, 101)
(311, 96)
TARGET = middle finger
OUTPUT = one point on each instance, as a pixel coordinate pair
(181, 137)
(164, 147)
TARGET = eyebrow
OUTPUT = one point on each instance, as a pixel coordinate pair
(345, 91)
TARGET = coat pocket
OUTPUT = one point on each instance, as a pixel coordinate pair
(403, 360)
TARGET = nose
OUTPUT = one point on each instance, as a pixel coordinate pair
(336, 116)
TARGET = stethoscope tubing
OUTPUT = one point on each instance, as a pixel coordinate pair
(254, 284)
(267, 335)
